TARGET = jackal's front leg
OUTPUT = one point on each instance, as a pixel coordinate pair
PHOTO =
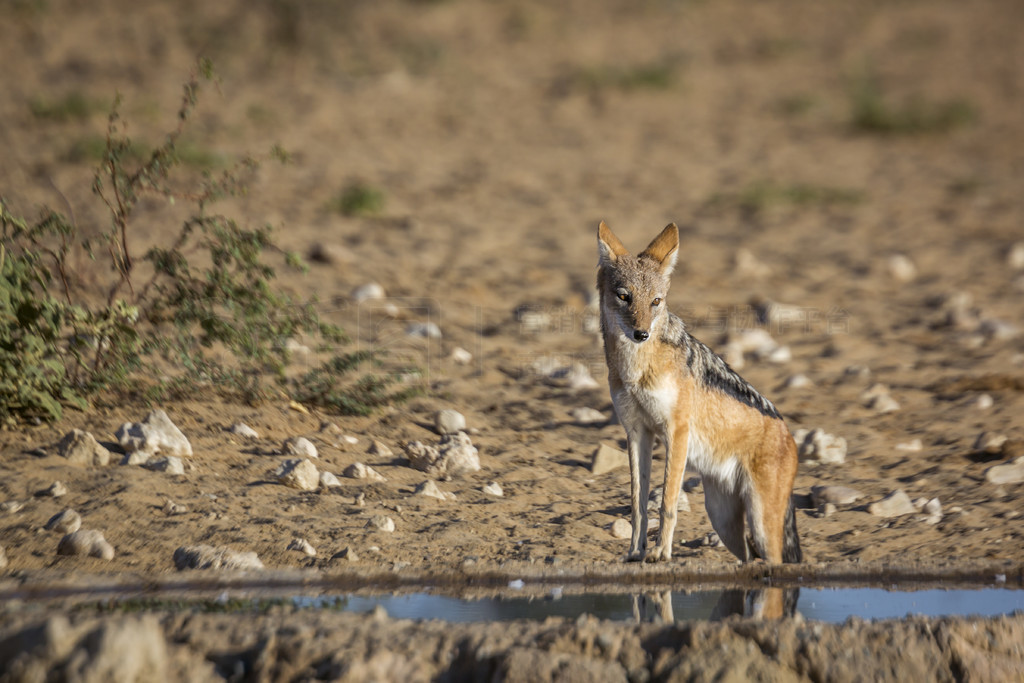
(676, 444)
(639, 445)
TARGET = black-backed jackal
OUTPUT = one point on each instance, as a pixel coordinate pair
(667, 384)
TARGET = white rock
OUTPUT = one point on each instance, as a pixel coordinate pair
(657, 496)
(381, 449)
(989, 442)
(1007, 472)
(820, 446)
(430, 489)
(455, 456)
(449, 422)
(243, 430)
(493, 488)
(360, 470)
(983, 402)
(798, 381)
(895, 504)
(381, 523)
(170, 464)
(298, 474)
(347, 554)
(56, 490)
(755, 341)
(901, 268)
(303, 546)
(328, 480)
(884, 404)
(606, 458)
(155, 434)
(171, 508)
(779, 355)
(427, 330)
(208, 557)
(1015, 256)
(66, 522)
(461, 356)
(299, 446)
(837, 495)
(621, 528)
(874, 391)
(1000, 330)
(932, 507)
(368, 292)
(913, 446)
(86, 542)
(587, 416)
(81, 448)
(11, 506)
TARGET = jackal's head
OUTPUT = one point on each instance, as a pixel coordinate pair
(633, 288)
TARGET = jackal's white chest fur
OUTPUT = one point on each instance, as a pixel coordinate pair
(648, 392)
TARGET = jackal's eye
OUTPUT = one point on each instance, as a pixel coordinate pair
(623, 295)
(657, 301)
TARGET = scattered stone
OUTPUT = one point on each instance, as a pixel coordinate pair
(828, 509)
(575, 377)
(430, 489)
(901, 268)
(837, 495)
(171, 465)
(658, 494)
(298, 474)
(171, 508)
(895, 504)
(155, 434)
(346, 554)
(11, 506)
(587, 416)
(884, 404)
(299, 446)
(381, 523)
(913, 446)
(136, 458)
(368, 292)
(759, 344)
(449, 422)
(81, 448)
(360, 500)
(330, 254)
(989, 442)
(711, 540)
(461, 356)
(857, 372)
(328, 480)
(86, 542)
(999, 330)
(798, 381)
(456, 456)
(606, 458)
(493, 488)
(983, 402)
(381, 449)
(243, 430)
(208, 557)
(66, 522)
(427, 330)
(1015, 256)
(303, 546)
(1007, 472)
(56, 490)
(362, 471)
(621, 528)
(817, 445)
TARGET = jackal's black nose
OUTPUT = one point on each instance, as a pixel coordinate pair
(640, 335)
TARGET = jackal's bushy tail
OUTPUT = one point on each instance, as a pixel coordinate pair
(791, 541)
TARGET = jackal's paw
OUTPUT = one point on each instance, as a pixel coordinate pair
(635, 556)
(661, 553)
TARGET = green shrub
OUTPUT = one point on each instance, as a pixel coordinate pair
(872, 112)
(208, 293)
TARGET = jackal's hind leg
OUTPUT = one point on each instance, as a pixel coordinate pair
(726, 511)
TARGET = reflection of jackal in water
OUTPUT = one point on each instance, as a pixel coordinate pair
(760, 603)
(664, 383)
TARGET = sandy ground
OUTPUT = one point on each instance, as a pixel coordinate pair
(500, 134)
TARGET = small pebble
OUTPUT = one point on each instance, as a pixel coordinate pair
(243, 430)
(427, 330)
(493, 488)
(303, 546)
(65, 522)
(1015, 256)
(328, 480)
(449, 422)
(381, 523)
(298, 474)
(299, 446)
(347, 554)
(989, 442)
(381, 449)
(171, 508)
(895, 504)
(983, 402)
(798, 381)
(360, 470)
(587, 416)
(430, 489)
(368, 292)
(461, 356)
(86, 542)
(56, 490)
(901, 268)
(913, 446)
(621, 529)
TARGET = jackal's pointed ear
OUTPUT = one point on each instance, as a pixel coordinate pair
(664, 249)
(609, 248)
